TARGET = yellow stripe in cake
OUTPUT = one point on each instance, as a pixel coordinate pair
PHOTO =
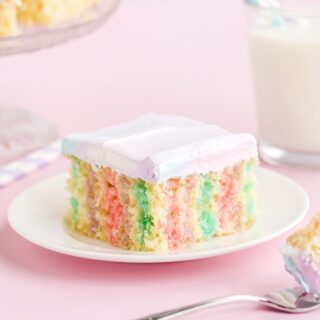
(100, 214)
(194, 183)
(123, 185)
(247, 195)
(77, 216)
(133, 212)
(158, 209)
(190, 229)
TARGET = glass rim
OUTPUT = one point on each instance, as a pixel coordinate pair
(310, 12)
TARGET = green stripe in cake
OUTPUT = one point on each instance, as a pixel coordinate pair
(208, 224)
(249, 203)
(77, 186)
(75, 168)
(75, 210)
(145, 220)
(207, 220)
(248, 189)
(250, 208)
(74, 202)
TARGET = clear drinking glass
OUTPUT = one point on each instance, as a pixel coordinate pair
(284, 40)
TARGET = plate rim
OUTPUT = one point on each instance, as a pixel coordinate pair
(143, 257)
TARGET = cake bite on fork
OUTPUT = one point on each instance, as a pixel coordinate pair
(302, 256)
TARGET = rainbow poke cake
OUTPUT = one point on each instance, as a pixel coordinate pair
(161, 183)
(302, 256)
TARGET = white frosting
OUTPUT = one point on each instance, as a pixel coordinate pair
(155, 148)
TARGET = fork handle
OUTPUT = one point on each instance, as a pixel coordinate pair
(178, 312)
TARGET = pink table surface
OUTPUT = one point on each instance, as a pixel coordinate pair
(179, 56)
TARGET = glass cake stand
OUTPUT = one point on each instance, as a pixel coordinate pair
(36, 38)
(20, 130)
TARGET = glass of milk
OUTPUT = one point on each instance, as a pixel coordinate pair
(284, 38)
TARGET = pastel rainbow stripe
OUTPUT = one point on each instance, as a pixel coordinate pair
(144, 216)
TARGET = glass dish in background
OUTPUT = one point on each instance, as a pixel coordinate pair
(284, 39)
(20, 131)
(36, 37)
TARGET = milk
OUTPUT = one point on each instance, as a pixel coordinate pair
(286, 66)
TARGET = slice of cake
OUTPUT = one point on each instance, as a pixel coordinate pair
(161, 183)
(302, 256)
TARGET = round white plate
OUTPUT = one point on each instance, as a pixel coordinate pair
(37, 215)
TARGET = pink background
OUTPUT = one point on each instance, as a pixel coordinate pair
(171, 56)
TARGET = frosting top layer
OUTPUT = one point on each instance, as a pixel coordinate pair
(156, 147)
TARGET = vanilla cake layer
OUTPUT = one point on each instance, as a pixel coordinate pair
(161, 183)
(138, 215)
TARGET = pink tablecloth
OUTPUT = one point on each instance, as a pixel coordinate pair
(179, 56)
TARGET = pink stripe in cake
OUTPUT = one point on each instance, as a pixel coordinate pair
(113, 207)
(90, 192)
(172, 229)
(188, 203)
(228, 212)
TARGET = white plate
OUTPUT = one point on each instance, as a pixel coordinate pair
(37, 215)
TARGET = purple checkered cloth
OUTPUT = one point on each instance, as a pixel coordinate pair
(32, 162)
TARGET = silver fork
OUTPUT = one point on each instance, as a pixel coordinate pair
(288, 300)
